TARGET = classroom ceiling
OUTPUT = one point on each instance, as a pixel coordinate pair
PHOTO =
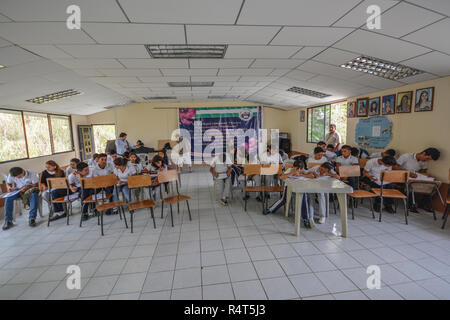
(271, 46)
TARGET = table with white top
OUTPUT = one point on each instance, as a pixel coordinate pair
(320, 185)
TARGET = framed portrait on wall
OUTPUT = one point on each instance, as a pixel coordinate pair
(374, 106)
(404, 102)
(351, 109)
(302, 115)
(388, 104)
(362, 107)
(424, 99)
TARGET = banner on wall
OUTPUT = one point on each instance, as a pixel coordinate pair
(374, 132)
(207, 123)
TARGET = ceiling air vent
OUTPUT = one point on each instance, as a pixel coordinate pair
(381, 68)
(54, 96)
(307, 92)
(181, 84)
(184, 51)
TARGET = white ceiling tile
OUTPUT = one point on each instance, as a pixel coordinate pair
(310, 36)
(433, 62)
(55, 10)
(48, 51)
(214, 78)
(42, 33)
(188, 12)
(258, 78)
(300, 75)
(163, 79)
(89, 63)
(246, 72)
(419, 78)
(105, 51)
(126, 33)
(130, 72)
(277, 63)
(26, 70)
(380, 46)
(4, 43)
(405, 18)
(220, 63)
(4, 18)
(260, 52)
(279, 72)
(230, 34)
(335, 56)
(308, 52)
(89, 72)
(135, 84)
(154, 63)
(358, 16)
(115, 79)
(376, 82)
(189, 72)
(294, 12)
(326, 69)
(434, 36)
(442, 6)
(13, 55)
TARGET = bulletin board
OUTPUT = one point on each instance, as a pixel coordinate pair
(374, 132)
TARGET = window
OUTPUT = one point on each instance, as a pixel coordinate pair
(62, 139)
(320, 118)
(103, 133)
(38, 134)
(26, 135)
(12, 136)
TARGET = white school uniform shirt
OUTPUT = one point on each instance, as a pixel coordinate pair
(313, 160)
(97, 171)
(351, 160)
(374, 169)
(375, 155)
(331, 156)
(316, 170)
(268, 158)
(91, 162)
(69, 170)
(123, 175)
(219, 166)
(29, 178)
(109, 160)
(136, 166)
(409, 162)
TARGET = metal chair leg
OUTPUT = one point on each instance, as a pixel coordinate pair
(171, 214)
(68, 211)
(131, 220)
(189, 210)
(124, 217)
(381, 209)
(162, 208)
(371, 208)
(352, 200)
(101, 222)
(153, 217)
(445, 216)
(178, 207)
(406, 210)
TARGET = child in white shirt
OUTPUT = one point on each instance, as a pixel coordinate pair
(318, 156)
(220, 168)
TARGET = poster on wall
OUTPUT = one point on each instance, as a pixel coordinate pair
(373, 132)
(209, 122)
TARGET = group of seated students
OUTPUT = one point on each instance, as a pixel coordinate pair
(324, 161)
(29, 186)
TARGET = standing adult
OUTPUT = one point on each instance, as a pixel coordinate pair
(333, 137)
(122, 144)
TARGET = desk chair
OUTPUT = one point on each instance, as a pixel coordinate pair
(63, 184)
(99, 185)
(394, 176)
(447, 204)
(172, 176)
(141, 182)
(355, 171)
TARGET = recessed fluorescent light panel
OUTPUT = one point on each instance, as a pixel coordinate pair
(184, 51)
(307, 92)
(191, 84)
(224, 97)
(1, 67)
(381, 68)
(54, 96)
(159, 98)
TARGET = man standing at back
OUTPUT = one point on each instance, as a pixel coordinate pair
(333, 137)
(122, 144)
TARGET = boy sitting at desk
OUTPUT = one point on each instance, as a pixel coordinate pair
(346, 159)
(220, 168)
(27, 182)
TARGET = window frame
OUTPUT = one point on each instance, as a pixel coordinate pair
(330, 105)
(48, 115)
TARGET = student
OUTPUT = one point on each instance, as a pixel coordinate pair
(72, 166)
(166, 160)
(388, 152)
(134, 162)
(271, 157)
(346, 159)
(158, 164)
(184, 153)
(330, 154)
(122, 171)
(111, 157)
(122, 144)
(52, 170)
(324, 170)
(220, 168)
(372, 172)
(27, 182)
(418, 162)
(298, 170)
(284, 156)
(102, 168)
(75, 186)
(360, 154)
(93, 161)
(140, 148)
(318, 156)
